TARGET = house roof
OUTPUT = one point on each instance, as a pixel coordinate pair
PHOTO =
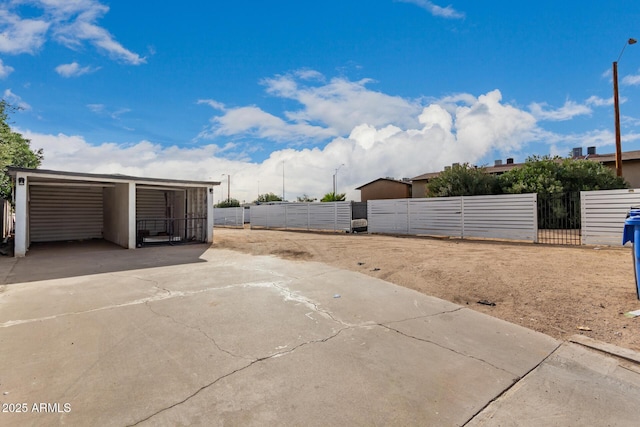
(489, 169)
(77, 176)
(385, 179)
(602, 158)
(611, 157)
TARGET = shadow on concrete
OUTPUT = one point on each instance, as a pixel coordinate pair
(45, 261)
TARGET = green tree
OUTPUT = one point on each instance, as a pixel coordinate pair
(462, 180)
(15, 150)
(333, 197)
(305, 199)
(228, 203)
(267, 197)
(557, 182)
(555, 175)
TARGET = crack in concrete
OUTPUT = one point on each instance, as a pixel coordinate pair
(425, 316)
(157, 297)
(516, 381)
(195, 328)
(449, 349)
(253, 362)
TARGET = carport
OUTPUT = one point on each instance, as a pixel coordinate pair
(54, 206)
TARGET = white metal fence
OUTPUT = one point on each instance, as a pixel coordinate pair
(603, 213)
(512, 216)
(334, 216)
(229, 217)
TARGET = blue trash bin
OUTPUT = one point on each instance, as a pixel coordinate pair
(632, 234)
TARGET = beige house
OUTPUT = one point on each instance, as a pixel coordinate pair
(385, 188)
(630, 164)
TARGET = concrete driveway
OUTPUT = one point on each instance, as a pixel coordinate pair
(193, 335)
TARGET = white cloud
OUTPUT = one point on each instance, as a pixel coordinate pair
(447, 131)
(599, 102)
(569, 110)
(14, 99)
(102, 110)
(435, 10)
(19, 35)
(631, 80)
(326, 110)
(254, 122)
(5, 70)
(212, 103)
(74, 70)
(69, 22)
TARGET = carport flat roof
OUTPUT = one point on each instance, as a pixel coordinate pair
(47, 173)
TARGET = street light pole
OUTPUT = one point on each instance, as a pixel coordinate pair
(335, 180)
(616, 110)
(228, 187)
(283, 181)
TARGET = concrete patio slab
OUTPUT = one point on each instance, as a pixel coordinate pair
(199, 336)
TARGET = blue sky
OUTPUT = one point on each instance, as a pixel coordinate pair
(196, 90)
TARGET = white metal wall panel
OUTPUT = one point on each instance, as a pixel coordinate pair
(603, 214)
(330, 216)
(230, 217)
(508, 216)
(269, 216)
(388, 216)
(65, 213)
(436, 216)
(152, 205)
(308, 216)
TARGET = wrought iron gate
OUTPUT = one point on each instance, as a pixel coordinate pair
(559, 218)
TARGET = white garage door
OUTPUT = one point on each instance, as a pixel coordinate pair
(65, 213)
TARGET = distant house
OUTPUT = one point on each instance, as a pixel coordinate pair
(419, 183)
(385, 188)
(630, 168)
(630, 163)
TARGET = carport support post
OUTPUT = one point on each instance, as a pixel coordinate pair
(132, 215)
(210, 215)
(22, 220)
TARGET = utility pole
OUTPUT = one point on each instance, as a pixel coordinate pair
(616, 110)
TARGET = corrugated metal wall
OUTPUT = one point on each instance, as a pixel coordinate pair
(603, 214)
(65, 213)
(308, 216)
(436, 217)
(152, 205)
(510, 216)
(231, 217)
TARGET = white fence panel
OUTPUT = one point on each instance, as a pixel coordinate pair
(440, 216)
(388, 216)
(512, 216)
(603, 214)
(230, 217)
(269, 216)
(507, 216)
(309, 216)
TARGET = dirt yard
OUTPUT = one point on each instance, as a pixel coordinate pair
(560, 291)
